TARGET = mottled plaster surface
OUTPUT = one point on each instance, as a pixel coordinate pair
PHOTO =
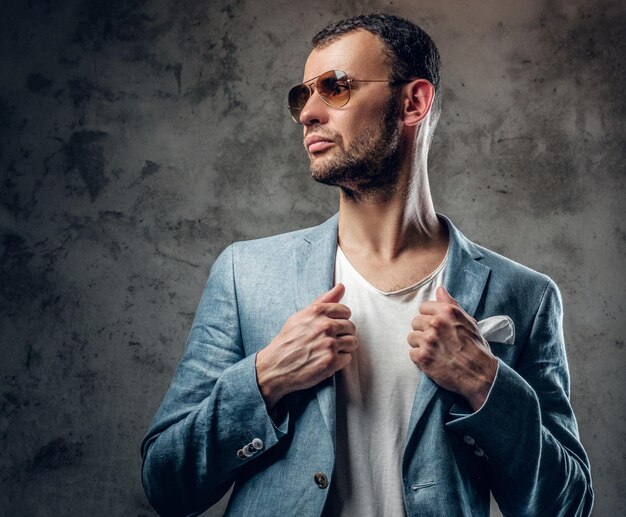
(138, 139)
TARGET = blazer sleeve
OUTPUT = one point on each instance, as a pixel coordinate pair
(526, 431)
(212, 410)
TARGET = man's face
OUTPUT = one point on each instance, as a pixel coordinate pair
(360, 147)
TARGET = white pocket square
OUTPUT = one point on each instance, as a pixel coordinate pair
(498, 328)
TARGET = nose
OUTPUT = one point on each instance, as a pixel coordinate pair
(315, 110)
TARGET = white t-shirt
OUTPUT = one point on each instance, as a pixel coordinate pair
(375, 395)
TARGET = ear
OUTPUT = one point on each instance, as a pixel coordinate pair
(418, 97)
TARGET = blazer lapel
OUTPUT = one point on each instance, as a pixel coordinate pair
(465, 280)
(315, 269)
(466, 277)
(314, 257)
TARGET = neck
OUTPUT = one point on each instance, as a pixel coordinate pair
(400, 220)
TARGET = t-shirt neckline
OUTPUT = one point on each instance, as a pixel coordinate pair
(404, 290)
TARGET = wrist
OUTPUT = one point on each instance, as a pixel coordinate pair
(477, 395)
(267, 382)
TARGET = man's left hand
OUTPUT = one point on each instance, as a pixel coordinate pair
(448, 347)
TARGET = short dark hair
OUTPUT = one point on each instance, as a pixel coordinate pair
(411, 51)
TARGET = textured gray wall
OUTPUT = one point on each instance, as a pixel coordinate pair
(138, 139)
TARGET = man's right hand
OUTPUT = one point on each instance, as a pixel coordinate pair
(312, 345)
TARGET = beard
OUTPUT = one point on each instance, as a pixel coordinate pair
(371, 165)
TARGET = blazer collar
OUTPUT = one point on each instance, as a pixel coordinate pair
(465, 278)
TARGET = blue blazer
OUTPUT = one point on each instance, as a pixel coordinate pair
(213, 428)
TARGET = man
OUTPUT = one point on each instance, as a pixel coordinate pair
(380, 363)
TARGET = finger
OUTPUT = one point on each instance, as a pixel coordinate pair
(347, 344)
(336, 310)
(342, 361)
(417, 339)
(414, 338)
(332, 296)
(343, 327)
(443, 296)
(431, 307)
(416, 356)
(423, 339)
(346, 328)
(421, 322)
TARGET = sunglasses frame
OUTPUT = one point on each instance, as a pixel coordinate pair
(326, 101)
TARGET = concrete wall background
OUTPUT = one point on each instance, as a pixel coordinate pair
(138, 139)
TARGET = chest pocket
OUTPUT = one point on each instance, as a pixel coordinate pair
(504, 351)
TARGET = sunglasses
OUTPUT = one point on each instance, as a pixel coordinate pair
(333, 87)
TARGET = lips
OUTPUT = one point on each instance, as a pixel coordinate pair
(317, 143)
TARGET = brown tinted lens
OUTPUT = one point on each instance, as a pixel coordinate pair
(296, 100)
(334, 88)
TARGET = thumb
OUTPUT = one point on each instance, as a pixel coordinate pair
(332, 296)
(443, 296)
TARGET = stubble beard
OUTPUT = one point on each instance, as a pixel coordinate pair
(371, 166)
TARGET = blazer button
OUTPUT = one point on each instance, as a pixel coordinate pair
(257, 443)
(320, 479)
(469, 440)
(479, 452)
(241, 455)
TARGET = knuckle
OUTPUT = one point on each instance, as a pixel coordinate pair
(426, 361)
(434, 322)
(317, 308)
(328, 343)
(455, 312)
(430, 336)
(325, 326)
(449, 310)
(328, 363)
(423, 356)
